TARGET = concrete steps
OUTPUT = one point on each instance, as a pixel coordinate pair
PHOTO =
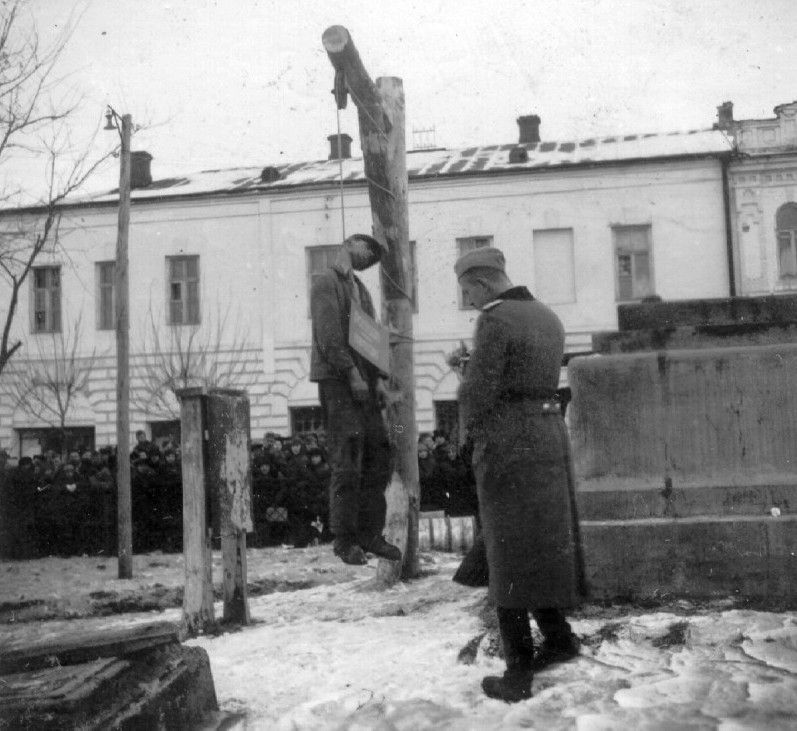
(698, 540)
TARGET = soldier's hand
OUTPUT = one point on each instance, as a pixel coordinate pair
(359, 388)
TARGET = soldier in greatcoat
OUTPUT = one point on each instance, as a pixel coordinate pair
(521, 459)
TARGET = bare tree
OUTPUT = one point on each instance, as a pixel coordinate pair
(186, 356)
(34, 124)
(46, 386)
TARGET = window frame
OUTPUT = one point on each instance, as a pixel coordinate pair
(51, 297)
(446, 410)
(102, 322)
(185, 296)
(463, 247)
(617, 248)
(786, 228)
(298, 414)
(50, 437)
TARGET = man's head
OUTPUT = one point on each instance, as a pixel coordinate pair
(482, 275)
(141, 436)
(364, 251)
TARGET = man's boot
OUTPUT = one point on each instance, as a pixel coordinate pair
(559, 644)
(380, 547)
(515, 684)
(349, 552)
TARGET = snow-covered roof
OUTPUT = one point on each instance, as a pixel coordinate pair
(430, 164)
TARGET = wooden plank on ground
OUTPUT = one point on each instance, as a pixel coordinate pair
(82, 645)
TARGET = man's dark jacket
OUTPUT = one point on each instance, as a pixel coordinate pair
(330, 304)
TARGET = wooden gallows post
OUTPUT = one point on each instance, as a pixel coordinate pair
(380, 110)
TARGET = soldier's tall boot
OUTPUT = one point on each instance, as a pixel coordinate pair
(560, 644)
(515, 684)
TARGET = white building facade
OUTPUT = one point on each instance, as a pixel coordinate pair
(764, 195)
(227, 257)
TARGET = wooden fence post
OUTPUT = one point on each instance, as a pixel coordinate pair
(229, 480)
(198, 592)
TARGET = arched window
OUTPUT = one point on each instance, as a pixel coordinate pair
(786, 221)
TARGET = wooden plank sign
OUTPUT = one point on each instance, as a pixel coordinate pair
(370, 339)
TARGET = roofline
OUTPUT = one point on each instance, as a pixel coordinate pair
(584, 165)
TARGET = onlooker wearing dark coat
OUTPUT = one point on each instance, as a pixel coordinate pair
(433, 496)
(521, 461)
(18, 502)
(456, 481)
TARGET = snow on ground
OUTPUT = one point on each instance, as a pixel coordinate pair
(348, 656)
(329, 650)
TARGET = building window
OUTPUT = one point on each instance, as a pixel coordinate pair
(106, 311)
(40, 440)
(463, 247)
(319, 259)
(306, 419)
(446, 418)
(633, 262)
(183, 290)
(786, 220)
(165, 431)
(46, 299)
(554, 269)
(414, 272)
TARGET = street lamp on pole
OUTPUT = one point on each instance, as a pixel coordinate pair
(124, 125)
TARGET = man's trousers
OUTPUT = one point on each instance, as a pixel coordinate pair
(359, 455)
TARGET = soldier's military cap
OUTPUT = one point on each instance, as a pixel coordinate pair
(486, 256)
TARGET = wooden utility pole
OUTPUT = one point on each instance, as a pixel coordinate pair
(380, 110)
(124, 511)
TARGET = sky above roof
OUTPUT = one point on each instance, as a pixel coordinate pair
(225, 84)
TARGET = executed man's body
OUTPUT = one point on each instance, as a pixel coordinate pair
(352, 393)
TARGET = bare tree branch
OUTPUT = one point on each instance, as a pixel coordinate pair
(209, 355)
(31, 119)
(46, 385)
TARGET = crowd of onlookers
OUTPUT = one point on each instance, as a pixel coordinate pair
(446, 479)
(65, 505)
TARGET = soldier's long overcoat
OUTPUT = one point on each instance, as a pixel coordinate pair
(521, 455)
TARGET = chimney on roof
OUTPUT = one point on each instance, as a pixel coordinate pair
(724, 116)
(140, 175)
(345, 147)
(269, 174)
(529, 125)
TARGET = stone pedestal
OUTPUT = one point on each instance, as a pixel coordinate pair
(686, 457)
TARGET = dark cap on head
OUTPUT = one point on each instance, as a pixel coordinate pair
(486, 256)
